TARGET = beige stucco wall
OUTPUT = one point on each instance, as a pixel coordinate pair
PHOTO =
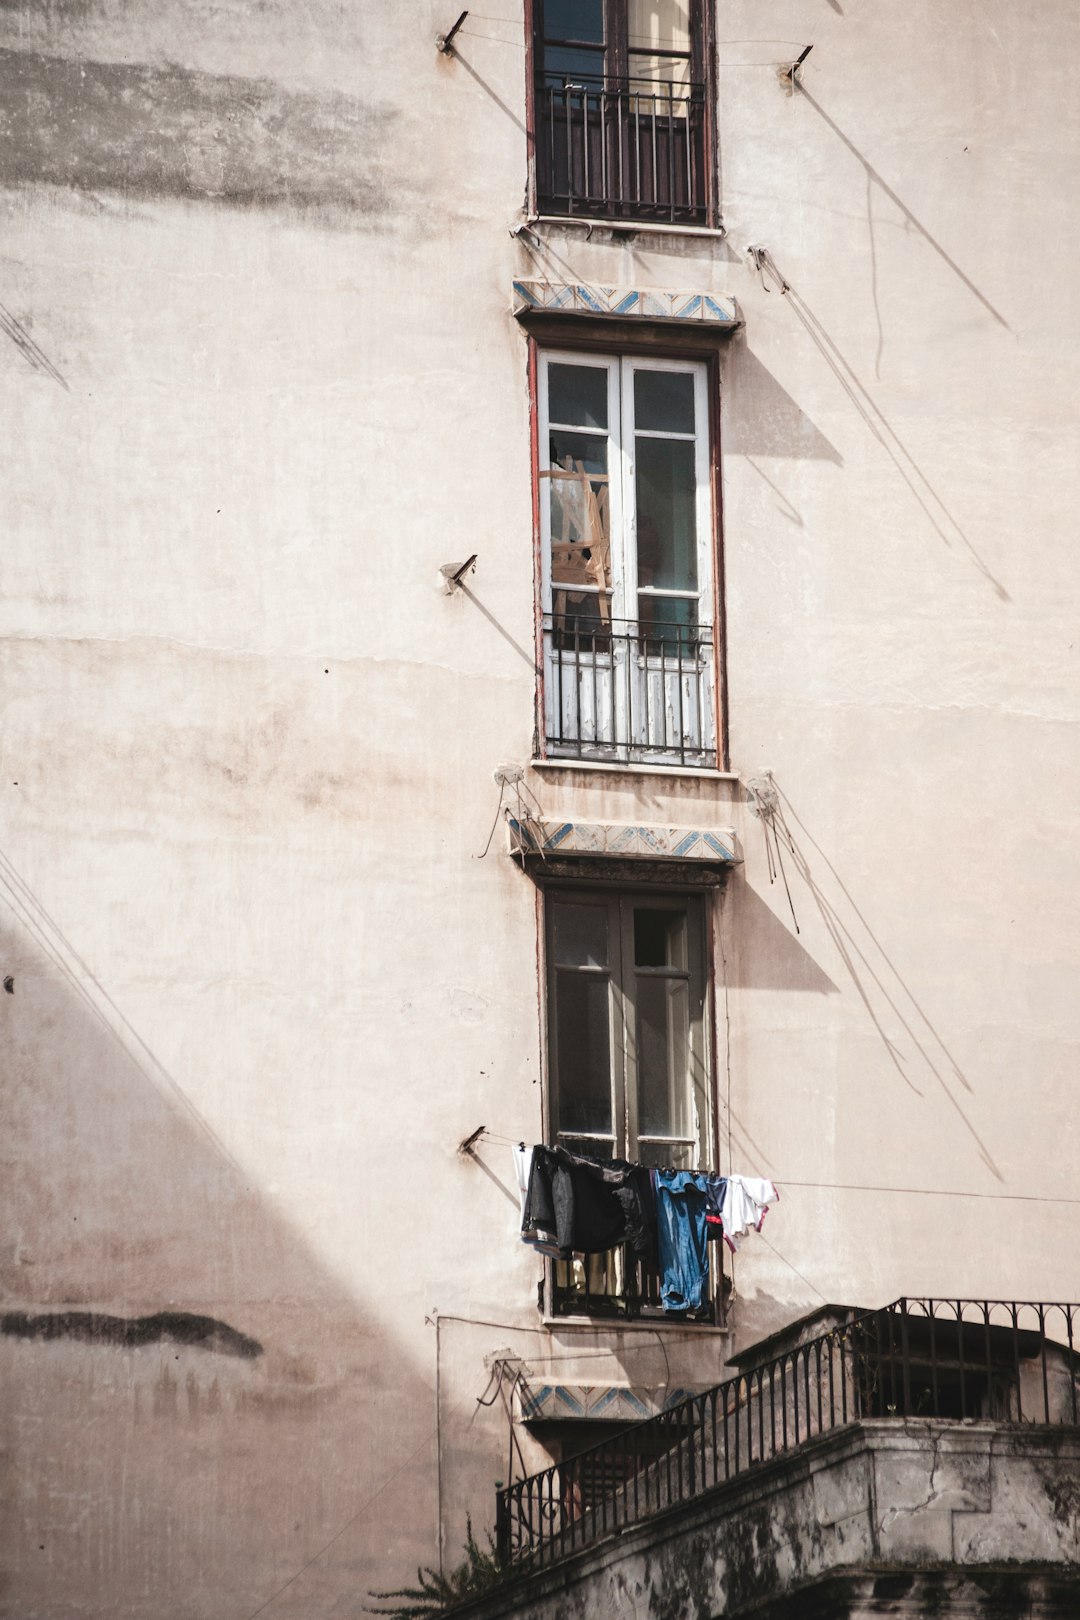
(263, 984)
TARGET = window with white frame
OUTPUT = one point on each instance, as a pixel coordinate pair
(627, 559)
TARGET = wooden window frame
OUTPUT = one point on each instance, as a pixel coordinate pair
(619, 904)
(616, 52)
(641, 1301)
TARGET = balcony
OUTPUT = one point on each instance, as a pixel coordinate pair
(620, 690)
(611, 150)
(919, 1370)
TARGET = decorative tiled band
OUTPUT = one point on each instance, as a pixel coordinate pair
(606, 1403)
(626, 303)
(608, 838)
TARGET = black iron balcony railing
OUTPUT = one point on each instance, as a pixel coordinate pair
(1003, 1362)
(621, 690)
(616, 150)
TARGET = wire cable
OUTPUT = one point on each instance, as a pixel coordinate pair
(868, 1187)
(494, 824)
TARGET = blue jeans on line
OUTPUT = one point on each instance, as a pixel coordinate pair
(682, 1239)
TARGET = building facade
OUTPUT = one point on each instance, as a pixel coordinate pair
(538, 602)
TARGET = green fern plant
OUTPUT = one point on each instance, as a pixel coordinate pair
(434, 1594)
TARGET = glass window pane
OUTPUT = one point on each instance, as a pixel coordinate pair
(664, 401)
(582, 1024)
(590, 1146)
(654, 78)
(579, 514)
(669, 625)
(659, 938)
(578, 395)
(659, 25)
(573, 64)
(581, 626)
(668, 1155)
(662, 1027)
(666, 518)
(574, 19)
(581, 935)
(578, 452)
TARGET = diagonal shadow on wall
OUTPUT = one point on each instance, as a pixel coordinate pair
(174, 1349)
(763, 953)
(889, 1001)
(760, 418)
(874, 179)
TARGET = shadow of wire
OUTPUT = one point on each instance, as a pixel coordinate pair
(493, 621)
(793, 1267)
(853, 953)
(32, 352)
(927, 497)
(912, 219)
(456, 56)
(43, 928)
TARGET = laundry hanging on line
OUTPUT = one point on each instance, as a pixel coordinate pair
(715, 1188)
(573, 1205)
(682, 1238)
(536, 1237)
(589, 1205)
(744, 1208)
(692, 1207)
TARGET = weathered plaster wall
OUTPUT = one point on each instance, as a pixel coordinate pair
(853, 1522)
(258, 381)
(901, 655)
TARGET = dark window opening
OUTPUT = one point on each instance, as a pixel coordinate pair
(621, 109)
(913, 1366)
(598, 1475)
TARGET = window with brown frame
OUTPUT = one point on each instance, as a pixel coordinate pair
(627, 1061)
(621, 109)
(626, 1025)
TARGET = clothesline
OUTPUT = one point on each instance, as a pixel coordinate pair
(869, 1187)
(574, 1205)
(508, 1141)
(931, 1192)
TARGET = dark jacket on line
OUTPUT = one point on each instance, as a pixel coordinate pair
(590, 1204)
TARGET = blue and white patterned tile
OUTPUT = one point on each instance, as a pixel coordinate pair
(572, 837)
(687, 845)
(631, 303)
(609, 1403)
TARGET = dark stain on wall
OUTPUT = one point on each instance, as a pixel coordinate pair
(1063, 1495)
(172, 132)
(893, 1586)
(130, 1333)
(55, 9)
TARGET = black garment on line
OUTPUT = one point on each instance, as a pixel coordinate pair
(715, 1188)
(590, 1204)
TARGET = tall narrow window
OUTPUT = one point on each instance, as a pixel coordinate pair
(626, 511)
(626, 1062)
(626, 1022)
(620, 109)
